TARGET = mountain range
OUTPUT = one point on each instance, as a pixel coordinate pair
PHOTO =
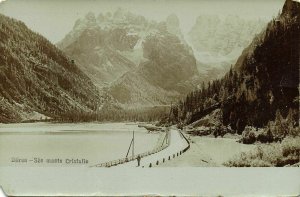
(136, 61)
(139, 62)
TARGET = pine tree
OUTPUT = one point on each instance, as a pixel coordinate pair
(290, 119)
(281, 129)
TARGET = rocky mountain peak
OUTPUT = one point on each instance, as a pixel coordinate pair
(172, 24)
(89, 20)
(90, 17)
(292, 8)
(101, 17)
(119, 13)
(172, 20)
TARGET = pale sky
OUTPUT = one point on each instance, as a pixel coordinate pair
(55, 18)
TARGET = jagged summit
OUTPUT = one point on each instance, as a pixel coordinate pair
(173, 19)
(173, 26)
(106, 21)
(121, 14)
(90, 17)
(292, 8)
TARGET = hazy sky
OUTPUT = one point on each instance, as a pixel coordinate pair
(55, 18)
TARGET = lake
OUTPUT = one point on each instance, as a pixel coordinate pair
(80, 144)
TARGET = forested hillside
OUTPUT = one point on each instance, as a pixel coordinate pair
(36, 77)
(264, 80)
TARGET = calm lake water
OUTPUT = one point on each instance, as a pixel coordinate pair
(82, 144)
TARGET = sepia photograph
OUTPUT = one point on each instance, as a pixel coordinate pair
(93, 85)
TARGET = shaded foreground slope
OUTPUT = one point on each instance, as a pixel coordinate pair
(36, 77)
